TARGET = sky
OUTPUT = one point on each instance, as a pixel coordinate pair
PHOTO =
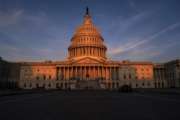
(139, 30)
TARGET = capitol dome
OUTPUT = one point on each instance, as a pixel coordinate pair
(87, 41)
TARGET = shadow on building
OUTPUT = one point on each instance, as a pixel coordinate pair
(9, 74)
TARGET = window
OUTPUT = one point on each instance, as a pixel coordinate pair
(113, 85)
(44, 85)
(57, 85)
(44, 77)
(155, 85)
(142, 84)
(159, 85)
(49, 85)
(129, 76)
(49, 76)
(177, 65)
(65, 85)
(37, 78)
(30, 85)
(24, 85)
(37, 85)
(124, 76)
(162, 85)
(117, 84)
(109, 85)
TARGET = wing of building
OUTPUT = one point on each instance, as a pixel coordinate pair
(86, 66)
(167, 75)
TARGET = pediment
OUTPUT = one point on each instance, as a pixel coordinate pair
(88, 60)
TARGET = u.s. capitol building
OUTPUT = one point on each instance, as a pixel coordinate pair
(87, 67)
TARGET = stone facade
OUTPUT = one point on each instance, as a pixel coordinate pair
(70, 75)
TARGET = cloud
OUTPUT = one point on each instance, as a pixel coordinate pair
(140, 54)
(122, 23)
(144, 53)
(10, 17)
(132, 5)
(168, 28)
(137, 43)
(19, 39)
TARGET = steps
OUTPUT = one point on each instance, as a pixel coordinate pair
(88, 84)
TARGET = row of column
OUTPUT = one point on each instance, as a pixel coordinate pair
(88, 73)
(94, 51)
(89, 40)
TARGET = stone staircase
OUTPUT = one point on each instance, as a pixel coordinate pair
(88, 84)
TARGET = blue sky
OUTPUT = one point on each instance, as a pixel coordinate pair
(36, 30)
